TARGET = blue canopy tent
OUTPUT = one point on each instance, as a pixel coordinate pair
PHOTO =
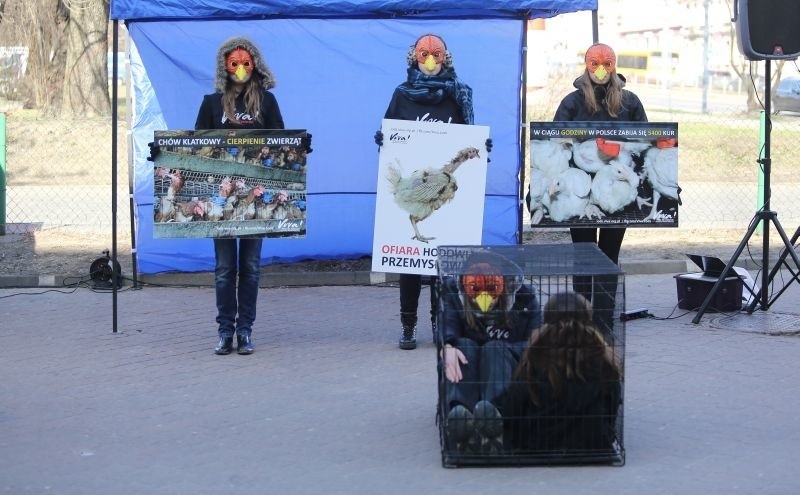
(336, 63)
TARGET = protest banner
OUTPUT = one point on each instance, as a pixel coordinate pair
(229, 183)
(431, 187)
(604, 174)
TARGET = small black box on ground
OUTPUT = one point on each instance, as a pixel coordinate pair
(693, 288)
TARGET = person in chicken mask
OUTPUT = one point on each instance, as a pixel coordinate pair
(242, 100)
(600, 96)
(432, 92)
(488, 316)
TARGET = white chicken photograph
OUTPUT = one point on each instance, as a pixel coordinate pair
(430, 192)
(603, 173)
(202, 188)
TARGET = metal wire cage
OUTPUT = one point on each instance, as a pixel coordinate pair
(540, 374)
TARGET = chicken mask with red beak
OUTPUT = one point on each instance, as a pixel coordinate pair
(430, 52)
(232, 55)
(489, 284)
(601, 61)
(483, 286)
(239, 64)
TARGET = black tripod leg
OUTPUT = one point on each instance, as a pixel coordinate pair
(787, 251)
(728, 267)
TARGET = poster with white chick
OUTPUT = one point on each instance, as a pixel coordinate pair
(430, 192)
(604, 174)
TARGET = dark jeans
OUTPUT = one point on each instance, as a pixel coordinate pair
(601, 290)
(410, 289)
(487, 372)
(240, 257)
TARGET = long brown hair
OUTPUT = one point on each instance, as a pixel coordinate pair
(567, 346)
(613, 99)
(253, 93)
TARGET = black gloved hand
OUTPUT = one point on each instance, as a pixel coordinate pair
(306, 141)
(154, 151)
(379, 138)
(489, 145)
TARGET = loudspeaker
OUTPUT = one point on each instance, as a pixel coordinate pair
(768, 29)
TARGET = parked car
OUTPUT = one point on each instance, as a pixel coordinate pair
(787, 95)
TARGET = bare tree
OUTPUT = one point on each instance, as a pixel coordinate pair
(86, 77)
(40, 25)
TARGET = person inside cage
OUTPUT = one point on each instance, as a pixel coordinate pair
(566, 390)
(488, 314)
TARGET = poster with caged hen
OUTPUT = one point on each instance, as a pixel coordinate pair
(603, 174)
(229, 183)
(431, 187)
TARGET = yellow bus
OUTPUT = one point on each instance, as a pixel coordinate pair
(647, 66)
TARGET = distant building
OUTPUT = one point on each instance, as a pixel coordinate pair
(657, 41)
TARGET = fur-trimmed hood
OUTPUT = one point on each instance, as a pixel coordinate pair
(227, 46)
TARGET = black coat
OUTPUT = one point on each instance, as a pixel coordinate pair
(403, 108)
(573, 108)
(583, 419)
(523, 317)
(211, 115)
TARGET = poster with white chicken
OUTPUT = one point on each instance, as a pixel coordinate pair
(229, 183)
(431, 187)
(604, 174)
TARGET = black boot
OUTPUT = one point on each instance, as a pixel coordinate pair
(408, 340)
(244, 344)
(489, 425)
(460, 428)
(225, 346)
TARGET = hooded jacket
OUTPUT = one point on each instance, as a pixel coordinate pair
(211, 114)
(520, 313)
(573, 107)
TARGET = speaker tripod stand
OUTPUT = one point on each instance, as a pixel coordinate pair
(781, 263)
(764, 216)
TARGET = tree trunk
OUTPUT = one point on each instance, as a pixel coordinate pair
(39, 25)
(86, 78)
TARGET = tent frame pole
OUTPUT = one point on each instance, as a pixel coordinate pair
(115, 278)
(523, 126)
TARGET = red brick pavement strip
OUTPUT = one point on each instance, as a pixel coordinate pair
(328, 404)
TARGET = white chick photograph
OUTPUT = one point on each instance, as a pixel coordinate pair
(233, 183)
(430, 192)
(603, 173)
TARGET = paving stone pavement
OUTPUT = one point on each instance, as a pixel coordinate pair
(328, 404)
